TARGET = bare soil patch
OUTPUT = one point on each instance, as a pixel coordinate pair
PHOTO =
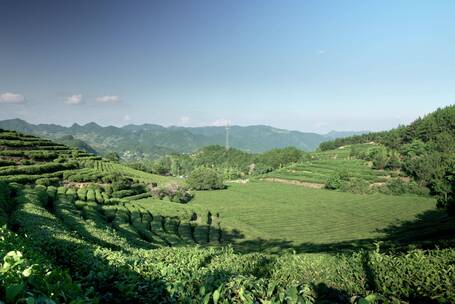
(295, 182)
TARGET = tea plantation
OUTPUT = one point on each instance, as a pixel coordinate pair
(321, 165)
(79, 229)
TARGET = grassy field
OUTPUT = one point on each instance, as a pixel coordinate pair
(260, 214)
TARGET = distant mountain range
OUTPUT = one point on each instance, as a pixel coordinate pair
(152, 141)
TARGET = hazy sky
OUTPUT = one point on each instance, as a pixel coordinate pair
(305, 65)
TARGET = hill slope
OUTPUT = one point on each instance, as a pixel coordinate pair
(152, 141)
(72, 232)
(424, 150)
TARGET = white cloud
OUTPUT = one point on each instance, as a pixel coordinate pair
(74, 99)
(126, 118)
(220, 122)
(11, 98)
(184, 119)
(321, 52)
(108, 99)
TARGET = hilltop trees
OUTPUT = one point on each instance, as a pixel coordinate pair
(276, 158)
(231, 164)
(438, 126)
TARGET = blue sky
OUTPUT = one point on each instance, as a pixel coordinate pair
(304, 65)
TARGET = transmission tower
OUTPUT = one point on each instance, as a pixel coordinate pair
(227, 136)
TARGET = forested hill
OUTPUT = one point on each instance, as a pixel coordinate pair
(438, 126)
(424, 150)
(152, 141)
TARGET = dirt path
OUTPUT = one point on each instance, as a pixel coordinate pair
(295, 182)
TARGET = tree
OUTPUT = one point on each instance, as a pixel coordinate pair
(205, 179)
(163, 165)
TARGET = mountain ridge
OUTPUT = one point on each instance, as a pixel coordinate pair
(153, 140)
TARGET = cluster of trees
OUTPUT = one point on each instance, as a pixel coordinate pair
(380, 156)
(232, 163)
(424, 150)
(205, 179)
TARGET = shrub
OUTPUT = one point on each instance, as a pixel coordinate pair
(47, 181)
(52, 192)
(393, 163)
(121, 183)
(205, 179)
(447, 202)
(123, 193)
(71, 194)
(333, 182)
(90, 195)
(108, 189)
(82, 194)
(99, 197)
(355, 185)
(378, 155)
(29, 277)
(260, 168)
(398, 186)
(178, 194)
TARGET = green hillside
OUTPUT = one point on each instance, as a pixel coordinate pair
(77, 228)
(423, 150)
(70, 141)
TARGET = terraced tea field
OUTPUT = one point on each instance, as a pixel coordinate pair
(78, 189)
(260, 214)
(319, 171)
(322, 165)
(111, 167)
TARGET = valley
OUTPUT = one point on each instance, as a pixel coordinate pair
(188, 227)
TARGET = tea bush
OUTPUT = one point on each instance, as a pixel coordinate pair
(28, 277)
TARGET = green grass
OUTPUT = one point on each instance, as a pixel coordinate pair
(292, 215)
